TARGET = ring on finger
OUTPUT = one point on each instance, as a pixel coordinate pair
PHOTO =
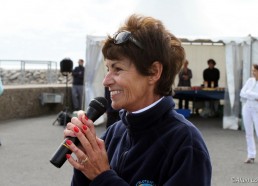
(84, 161)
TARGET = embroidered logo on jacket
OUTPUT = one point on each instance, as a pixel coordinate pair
(145, 183)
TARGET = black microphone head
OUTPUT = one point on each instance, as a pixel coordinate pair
(100, 104)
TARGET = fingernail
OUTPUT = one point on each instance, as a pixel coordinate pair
(83, 118)
(68, 142)
(68, 156)
(80, 118)
(76, 129)
(86, 118)
(84, 127)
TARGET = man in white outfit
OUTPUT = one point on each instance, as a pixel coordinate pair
(249, 97)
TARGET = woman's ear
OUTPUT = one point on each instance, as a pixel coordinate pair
(156, 70)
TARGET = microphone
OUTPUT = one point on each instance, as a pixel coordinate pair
(97, 107)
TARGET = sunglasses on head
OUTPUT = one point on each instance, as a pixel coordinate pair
(124, 36)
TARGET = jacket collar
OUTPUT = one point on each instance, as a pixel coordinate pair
(141, 122)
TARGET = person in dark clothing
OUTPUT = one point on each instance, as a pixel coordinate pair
(77, 88)
(112, 114)
(151, 144)
(211, 77)
(185, 75)
(211, 74)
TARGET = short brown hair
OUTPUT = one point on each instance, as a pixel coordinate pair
(158, 45)
(255, 66)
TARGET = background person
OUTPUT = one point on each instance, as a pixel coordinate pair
(211, 77)
(211, 74)
(184, 76)
(77, 88)
(152, 144)
(1, 87)
(249, 96)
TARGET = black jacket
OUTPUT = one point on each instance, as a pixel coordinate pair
(155, 147)
(210, 75)
(78, 75)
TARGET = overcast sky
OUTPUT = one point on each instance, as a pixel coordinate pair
(54, 29)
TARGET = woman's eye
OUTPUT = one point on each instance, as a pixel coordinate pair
(117, 69)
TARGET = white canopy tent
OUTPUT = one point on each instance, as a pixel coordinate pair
(238, 55)
(94, 68)
(94, 71)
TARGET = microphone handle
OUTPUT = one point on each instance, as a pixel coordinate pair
(59, 157)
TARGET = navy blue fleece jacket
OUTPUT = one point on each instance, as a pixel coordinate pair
(155, 147)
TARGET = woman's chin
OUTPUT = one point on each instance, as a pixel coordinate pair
(116, 106)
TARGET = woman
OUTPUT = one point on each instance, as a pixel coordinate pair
(151, 144)
(185, 75)
(249, 95)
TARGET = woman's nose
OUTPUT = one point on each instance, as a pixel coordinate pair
(108, 79)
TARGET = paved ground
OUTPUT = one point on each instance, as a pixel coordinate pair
(27, 145)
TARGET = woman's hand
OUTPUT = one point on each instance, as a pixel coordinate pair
(91, 154)
(79, 121)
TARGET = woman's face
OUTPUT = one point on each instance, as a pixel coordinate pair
(255, 73)
(129, 89)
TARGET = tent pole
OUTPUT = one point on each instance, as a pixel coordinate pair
(251, 52)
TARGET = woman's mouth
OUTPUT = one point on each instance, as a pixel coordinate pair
(114, 92)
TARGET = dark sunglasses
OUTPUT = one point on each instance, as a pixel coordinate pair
(124, 36)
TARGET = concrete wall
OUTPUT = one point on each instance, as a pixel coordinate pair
(24, 101)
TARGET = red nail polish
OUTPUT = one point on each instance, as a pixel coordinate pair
(86, 118)
(76, 129)
(84, 127)
(68, 142)
(68, 156)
